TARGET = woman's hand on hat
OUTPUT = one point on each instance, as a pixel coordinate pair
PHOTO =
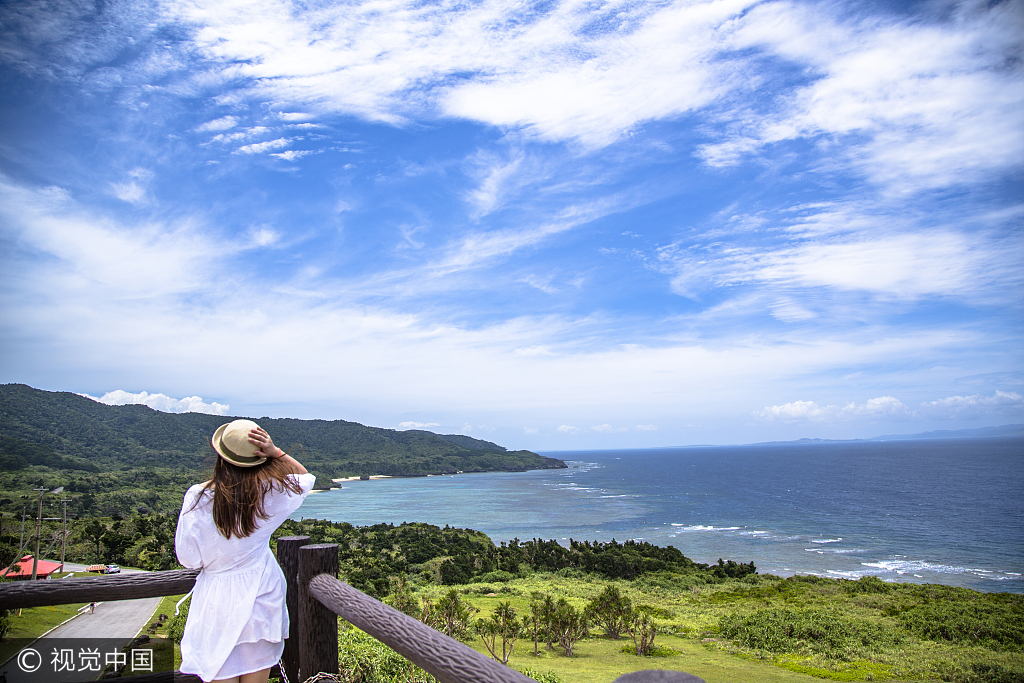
(265, 445)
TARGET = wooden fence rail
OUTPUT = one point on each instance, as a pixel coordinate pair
(17, 594)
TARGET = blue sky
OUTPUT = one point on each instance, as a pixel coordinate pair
(553, 225)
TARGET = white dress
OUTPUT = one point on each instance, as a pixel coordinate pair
(237, 620)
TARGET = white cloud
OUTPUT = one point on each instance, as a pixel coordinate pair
(884, 251)
(133, 191)
(264, 236)
(647, 428)
(976, 406)
(492, 175)
(417, 425)
(109, 260)
(922, 103)
(607, 429)
(537, 282)
(909, 265)
(247, 134)
(293, 154)
(223, 123)
(881, 407)
(549, 74)
(789, 311)
(568, 429)
(162, 402)
(261, 147)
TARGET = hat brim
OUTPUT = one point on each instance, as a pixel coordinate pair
(226, 453)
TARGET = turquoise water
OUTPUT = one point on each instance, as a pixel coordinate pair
(948, 511)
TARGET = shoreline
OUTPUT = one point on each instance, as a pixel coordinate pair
(358, 478)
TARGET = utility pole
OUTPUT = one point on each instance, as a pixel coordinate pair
(63, 532)
(39, 529)
(21, 541)
(39, 533)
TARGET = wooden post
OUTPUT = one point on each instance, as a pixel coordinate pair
(288, 558)
(318, 626)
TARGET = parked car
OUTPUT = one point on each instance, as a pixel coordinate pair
(112, 569)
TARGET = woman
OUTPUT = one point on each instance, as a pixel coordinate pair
(237, 621)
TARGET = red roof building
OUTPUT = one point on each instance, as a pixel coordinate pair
(23, 569)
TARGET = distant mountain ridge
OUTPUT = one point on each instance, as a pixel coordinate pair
(979, 433)
(1003, 430)
(61, 429)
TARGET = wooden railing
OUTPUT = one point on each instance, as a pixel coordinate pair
(315, 598)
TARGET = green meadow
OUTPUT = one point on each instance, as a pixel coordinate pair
(765, 628)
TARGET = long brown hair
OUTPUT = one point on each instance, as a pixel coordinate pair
(239, 494)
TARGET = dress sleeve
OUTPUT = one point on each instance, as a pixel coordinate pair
(281, 503)
(186, 541)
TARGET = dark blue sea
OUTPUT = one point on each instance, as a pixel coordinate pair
(942, 511)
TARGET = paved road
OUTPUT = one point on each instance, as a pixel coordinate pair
(109, 628)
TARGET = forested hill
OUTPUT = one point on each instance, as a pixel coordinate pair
(71, 432)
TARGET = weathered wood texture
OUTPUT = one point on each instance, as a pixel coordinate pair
(445, 658)
(17, 594)
(318, 625)
(288, 558)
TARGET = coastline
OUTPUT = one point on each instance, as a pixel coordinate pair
(358, 478)
(807, 510)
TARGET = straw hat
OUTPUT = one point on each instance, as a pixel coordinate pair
(231, 441)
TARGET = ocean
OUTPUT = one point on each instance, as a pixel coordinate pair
(938, 511)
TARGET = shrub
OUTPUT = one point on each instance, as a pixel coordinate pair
(364, 659)
(176, 626)
(826, 632)
(541, 676)
(992, 621)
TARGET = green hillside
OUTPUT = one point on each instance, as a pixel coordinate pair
(44, 433)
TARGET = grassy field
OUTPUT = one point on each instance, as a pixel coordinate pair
(770, 629)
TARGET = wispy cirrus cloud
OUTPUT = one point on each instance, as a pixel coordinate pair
(927, 104)
(882, 252)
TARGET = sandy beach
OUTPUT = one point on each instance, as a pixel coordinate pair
(373, 476)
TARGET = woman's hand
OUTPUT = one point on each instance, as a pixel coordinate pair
(265, 447)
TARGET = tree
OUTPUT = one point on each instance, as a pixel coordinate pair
(401, 597)
(642, 629)
(568, 625)
(548, 615)
(537, 621)
(611, 610)
(502, 624)
(94, 531)
(450, 615)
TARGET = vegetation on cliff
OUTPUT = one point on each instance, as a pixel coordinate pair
(127, 458)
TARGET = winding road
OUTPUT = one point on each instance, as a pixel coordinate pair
(110, 627)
